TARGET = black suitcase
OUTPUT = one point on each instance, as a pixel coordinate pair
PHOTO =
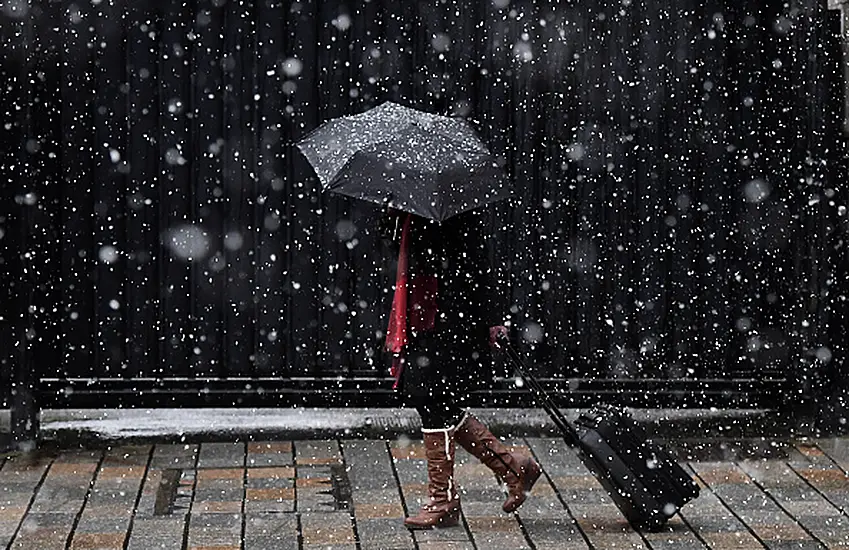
(643, 479)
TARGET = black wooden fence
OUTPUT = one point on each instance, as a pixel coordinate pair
(677, 164)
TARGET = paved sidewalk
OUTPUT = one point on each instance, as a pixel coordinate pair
(352, 493)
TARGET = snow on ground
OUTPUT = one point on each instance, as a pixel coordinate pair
(300, 422)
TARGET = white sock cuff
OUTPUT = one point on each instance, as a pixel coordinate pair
(466, 414)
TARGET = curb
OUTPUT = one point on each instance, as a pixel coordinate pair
(90, 427)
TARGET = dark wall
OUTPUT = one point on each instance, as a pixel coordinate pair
(677, 167)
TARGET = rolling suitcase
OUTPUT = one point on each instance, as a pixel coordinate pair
(643, 479)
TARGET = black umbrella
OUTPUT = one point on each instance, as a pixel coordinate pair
(430, 165)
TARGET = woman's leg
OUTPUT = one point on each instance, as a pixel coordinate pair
(439, 421)
(518, 472)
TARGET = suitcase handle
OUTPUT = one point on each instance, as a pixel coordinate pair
(542, 398)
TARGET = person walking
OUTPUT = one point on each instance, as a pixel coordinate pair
(443, 327)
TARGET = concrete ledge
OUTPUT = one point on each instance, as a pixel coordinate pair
(96, 426)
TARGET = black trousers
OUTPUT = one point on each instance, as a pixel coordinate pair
(438, 395)
(438, 411)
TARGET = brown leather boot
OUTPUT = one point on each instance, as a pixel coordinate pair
(518, 472)
(443, 507)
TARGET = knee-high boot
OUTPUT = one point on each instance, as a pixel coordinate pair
(443, 506)
(518, 472)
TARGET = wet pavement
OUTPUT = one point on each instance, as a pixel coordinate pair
(352, 493)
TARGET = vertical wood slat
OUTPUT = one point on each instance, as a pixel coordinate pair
(556, 286)
(35, 181)
(753, 181)
(677, 303)
(741, 75)
(719, 160)
(109, 153)
(271, 16)
(782, 213)
(302, 282)
(374, 55)
(77, 323)
(834, 266)
(333, 289)
(182, 243)
(821, 240)
(12, 231)
(648, 129)
(524, 114)
(142, 242)
(209, 205)
(586, 250)
(494, 125)
(619, 166)
(805, 175)
(239, 185)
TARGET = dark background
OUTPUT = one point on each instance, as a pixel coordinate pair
(678, 170)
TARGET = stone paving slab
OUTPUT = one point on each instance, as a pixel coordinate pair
(352, 495)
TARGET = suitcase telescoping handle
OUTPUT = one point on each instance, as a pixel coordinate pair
(542, 398)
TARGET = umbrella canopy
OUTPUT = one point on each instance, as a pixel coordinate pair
(430, 165)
